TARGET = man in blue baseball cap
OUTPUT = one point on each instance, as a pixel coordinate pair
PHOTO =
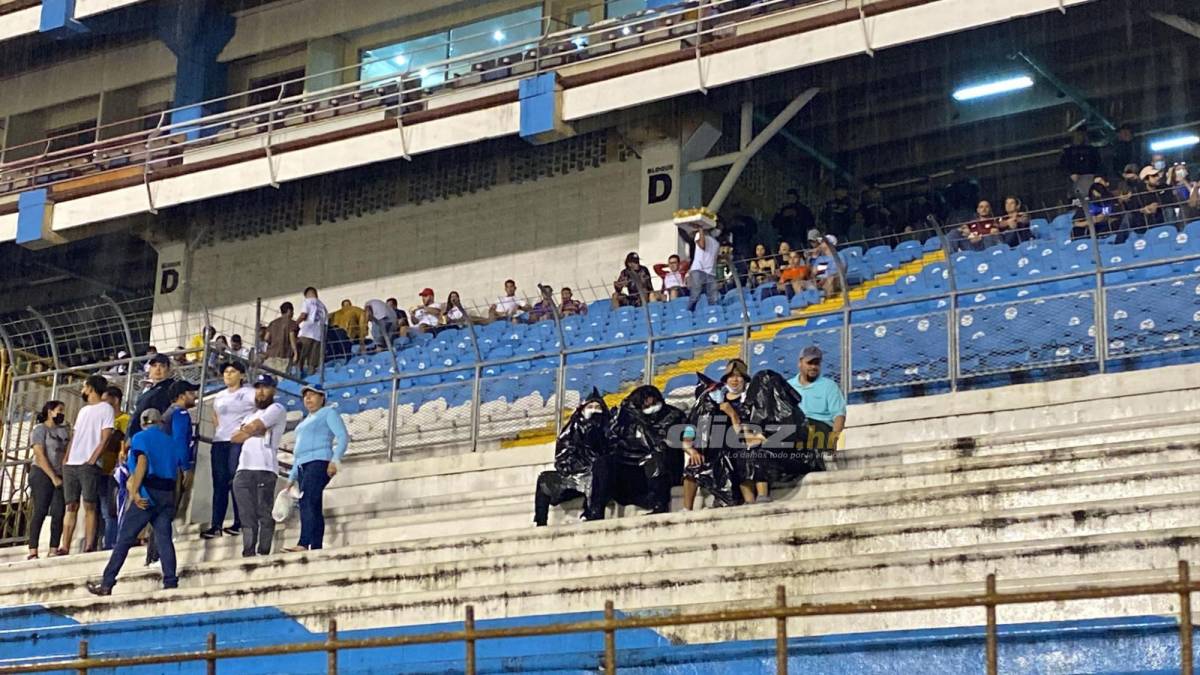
(154, 465)
(254, 481)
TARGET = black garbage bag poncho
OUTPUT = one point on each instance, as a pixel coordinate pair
(663, 423)
(772, 406)
(716, 474)
(581, 449)
(640, 468)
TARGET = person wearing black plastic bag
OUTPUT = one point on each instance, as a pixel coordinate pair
(640, 472)
(731, 399)
(714, 471)
(580, 463)
(774, 427)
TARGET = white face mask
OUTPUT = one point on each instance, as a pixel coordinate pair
(1160, 164)
(653, 409)
(588, 412)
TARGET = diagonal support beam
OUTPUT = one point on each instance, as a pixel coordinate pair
(821, 158)
(1178, 22)
(1090, 111)
(744, 157)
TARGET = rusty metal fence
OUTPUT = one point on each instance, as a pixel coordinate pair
(989, 599)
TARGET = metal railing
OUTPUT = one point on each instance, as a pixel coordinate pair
(989, 599)
(168, 142)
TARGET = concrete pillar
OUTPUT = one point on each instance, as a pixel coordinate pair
(323, 55)
(657, 235)
(169, 325)
(196, 32)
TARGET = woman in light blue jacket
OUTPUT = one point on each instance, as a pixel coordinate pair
(321, 441)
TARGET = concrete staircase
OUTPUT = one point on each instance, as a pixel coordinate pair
(414, 541)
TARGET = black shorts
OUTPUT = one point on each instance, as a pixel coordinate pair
(81, 482)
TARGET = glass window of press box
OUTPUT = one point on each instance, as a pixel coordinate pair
(427, 56)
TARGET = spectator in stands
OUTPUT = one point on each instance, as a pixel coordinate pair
(763, 268)
(821, 400)
(254, 481)
(108, 463)
(218, 354)
(321, 442)
(1013, 226)
(1100, 206)
(508, 307)
(1080, 160)
(673, 276)
(581, 466)
(693, 458)
(1123, 150)
(49, 440)
(1191, 207)
(928, 202)
(823, 268)
(632, 286)
(961, 195)
(238, 349)
(544, 309)
(402, 321)
(793, 219)
(731, 397)
(154, 461)
(180, 360)
(701, 276)
(231, 406)
(177, 421)
(794, 276)
(312, 321)
(877, 218)
(196, 344)
(1180, 191)
(281, 335)
(838, 214)
(156, 393)
(427, 316)
(381, 318)
(456, 314)
(151, 352)
(93, 425)
(981, 232)
(569, 305)
(1148, 200)
(1125, 212)
(351, 319)
(724, 268)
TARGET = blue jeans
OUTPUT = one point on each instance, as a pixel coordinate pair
(159, 513)
(697, 281)
(313, 479)
(108, 511)
(225, 457)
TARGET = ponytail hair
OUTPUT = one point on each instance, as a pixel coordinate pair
(45, 413)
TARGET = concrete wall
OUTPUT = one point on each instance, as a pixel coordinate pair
(565, 230)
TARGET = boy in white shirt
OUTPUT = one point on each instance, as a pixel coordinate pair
(81, 475)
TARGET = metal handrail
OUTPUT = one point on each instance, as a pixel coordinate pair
(989, 599)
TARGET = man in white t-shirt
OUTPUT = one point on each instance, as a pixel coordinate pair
(312, 331)
(258, 467)
(81, 476)
(427, 316)
(701, 275)
(507, 306)
(382, 319)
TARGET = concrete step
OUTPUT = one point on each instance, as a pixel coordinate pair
(393, 601)
(805, 504)
(680, 544)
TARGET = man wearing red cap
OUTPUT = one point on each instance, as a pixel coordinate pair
(427, 316)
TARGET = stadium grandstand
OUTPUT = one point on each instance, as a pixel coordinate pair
(575, 336)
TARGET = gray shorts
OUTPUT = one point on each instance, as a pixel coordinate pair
(81, 481)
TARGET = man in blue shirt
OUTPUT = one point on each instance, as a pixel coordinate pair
(154, 465)
(821, 400)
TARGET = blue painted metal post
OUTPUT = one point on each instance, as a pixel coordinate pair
(196, 32)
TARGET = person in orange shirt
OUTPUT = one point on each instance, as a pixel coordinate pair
(794, 276)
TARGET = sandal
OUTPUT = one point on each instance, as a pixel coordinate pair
(59, 551)
(32, 556)
(295, 549)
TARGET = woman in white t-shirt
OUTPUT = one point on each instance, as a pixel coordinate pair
(454, 313)
(231, 407)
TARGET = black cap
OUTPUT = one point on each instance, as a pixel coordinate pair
(160, 359)
(265, 380)
(236, 365)
(180, 387)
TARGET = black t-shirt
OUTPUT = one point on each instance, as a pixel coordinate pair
(838, 216)
(1081, 160)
